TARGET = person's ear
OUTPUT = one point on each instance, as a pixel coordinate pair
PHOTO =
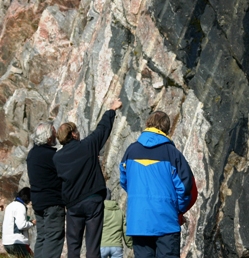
(75, 135)
(49, 140)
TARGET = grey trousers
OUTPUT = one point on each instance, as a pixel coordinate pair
(50, 225)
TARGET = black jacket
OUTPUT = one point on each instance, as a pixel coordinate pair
(78, 166)
(44, 183)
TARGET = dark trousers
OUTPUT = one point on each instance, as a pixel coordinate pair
(167, 246)
(85, 214)
(50, 225)
(19, 250)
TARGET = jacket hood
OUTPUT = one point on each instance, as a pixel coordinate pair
(111, 205)
(152, 136)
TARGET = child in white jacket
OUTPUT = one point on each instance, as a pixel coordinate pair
(15, 226)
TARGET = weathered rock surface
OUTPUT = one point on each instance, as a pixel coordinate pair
(67, 59)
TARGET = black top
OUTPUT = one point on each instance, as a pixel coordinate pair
(78, 165)
(44, 183)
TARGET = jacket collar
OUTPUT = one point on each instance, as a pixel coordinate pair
(18, 199)
(152, 136)
(155, 130)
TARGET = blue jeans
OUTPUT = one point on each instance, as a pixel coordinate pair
(50, 225)
(111, 251)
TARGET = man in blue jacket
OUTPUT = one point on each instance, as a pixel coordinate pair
(83, 184)
(160, 187)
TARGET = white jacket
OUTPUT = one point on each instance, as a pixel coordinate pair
(15, 224)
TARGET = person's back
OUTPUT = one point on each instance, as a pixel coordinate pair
(46, 193)
(114, 231)
(160, 187)
(83, 187)
(44, 182)
(15, 236)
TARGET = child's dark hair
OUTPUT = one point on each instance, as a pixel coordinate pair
(24, 194)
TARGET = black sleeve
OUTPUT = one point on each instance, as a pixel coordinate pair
(100, 135)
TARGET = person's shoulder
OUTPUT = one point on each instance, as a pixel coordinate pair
(170, 145)
(174, 152)
(9, 206)
(15, 205)
(69, 148)
(20, 205)
(32, 150)
(42, 148)
(133, 145)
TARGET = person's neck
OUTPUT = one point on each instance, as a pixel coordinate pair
(18, 199)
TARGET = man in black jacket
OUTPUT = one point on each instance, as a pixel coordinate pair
(46, 193)
(83, 187)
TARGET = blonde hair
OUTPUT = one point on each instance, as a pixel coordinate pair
(159, 120)
(64, 133)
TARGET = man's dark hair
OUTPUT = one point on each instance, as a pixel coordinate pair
(159, 120)
(24, 194)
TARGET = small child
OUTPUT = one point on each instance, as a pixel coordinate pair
(114, 230)
(15, 226)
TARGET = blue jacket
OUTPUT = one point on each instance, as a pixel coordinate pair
(158, 181)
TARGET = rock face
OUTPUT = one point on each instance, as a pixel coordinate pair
(68, 59)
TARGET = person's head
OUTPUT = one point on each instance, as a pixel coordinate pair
(67, 132)
(44, 134)
(159, 120)
(24, 194)
(108, 194)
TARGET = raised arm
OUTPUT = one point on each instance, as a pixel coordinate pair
(100, 135)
